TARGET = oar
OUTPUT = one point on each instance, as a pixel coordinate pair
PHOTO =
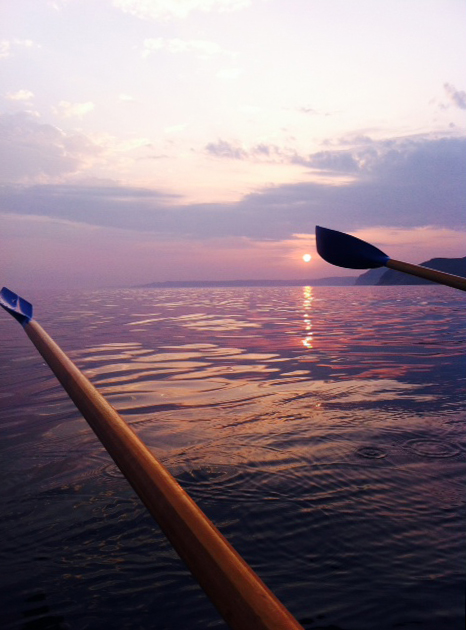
(348, 251)
(238, 593)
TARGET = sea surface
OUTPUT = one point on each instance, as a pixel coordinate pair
(323, 430)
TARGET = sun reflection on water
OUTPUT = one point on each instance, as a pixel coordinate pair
(307, 306)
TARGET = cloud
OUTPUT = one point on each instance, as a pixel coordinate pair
(418, 182)
(68, 110)
(174, 129)
(7, 47)
(57, 5)
(413, 182)
(389, 237)
(44, 252)
(36, 152)
(168, 9)
(132, 144)
(329, 161)
(20, 95)
(202, 48)
(457, 97)
(126, 98)
(425, 159)
(311, 111)
(224, 149)
(360, 156)
(234, 151)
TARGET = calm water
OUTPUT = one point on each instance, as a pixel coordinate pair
(321, 429)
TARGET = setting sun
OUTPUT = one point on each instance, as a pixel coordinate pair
(307, 257)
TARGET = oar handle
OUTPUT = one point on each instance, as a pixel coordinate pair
(238, 593)
(457, 282)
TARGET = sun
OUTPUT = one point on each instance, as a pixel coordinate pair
(307, 257)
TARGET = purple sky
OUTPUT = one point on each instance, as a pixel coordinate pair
(204, 139)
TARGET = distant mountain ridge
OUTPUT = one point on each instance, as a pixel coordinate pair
(373, 277)
(383, 276)
(337, 281)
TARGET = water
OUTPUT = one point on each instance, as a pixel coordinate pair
(321, 429)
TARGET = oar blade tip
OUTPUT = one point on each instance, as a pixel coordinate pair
(21, 309)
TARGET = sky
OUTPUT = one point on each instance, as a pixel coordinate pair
(156, 140)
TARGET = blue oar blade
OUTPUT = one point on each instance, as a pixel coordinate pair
(21, 309)
(348, 251)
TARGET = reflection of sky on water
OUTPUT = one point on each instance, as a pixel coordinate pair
(321, 429)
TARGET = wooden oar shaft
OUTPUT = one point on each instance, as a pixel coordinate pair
(238, 593)
(457, 282)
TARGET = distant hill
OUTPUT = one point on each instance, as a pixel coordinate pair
(370, 277)
(338, 281)
(382, 276)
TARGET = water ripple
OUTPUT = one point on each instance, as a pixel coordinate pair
(327, 446)
(435, 449)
